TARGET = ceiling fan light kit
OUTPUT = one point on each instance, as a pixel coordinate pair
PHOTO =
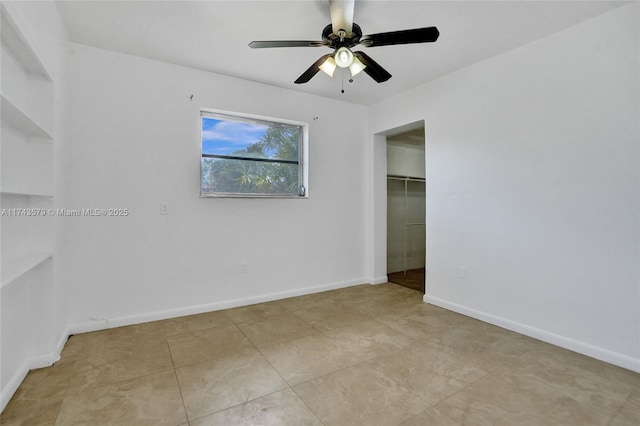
(329, 66)
(342, 35)
(343, 57)
(356, 66)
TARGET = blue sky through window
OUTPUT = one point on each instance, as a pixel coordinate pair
(223, 137)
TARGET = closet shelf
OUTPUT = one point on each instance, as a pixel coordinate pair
(15, 39)
(409, 178)
(20, 266)
(14, 116)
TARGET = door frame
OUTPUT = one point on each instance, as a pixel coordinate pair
(378, 271)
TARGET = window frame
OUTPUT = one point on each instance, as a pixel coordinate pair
(303, 158)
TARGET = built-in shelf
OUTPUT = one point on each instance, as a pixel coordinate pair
(17, 41)
(14, 116)
(25, 193)
(20, 266)
(31, 51)
(27, 106)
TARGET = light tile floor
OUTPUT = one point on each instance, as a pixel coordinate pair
(364, 355)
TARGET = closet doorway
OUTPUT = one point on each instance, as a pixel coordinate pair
(406, 201)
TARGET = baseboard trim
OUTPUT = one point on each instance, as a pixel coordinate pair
(63, 340)
(379, 280)
(12, 385)
(29, 364)
(209, 307)
(605, 355)
(103, 324)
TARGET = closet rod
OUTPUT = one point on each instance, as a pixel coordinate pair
(406, 178)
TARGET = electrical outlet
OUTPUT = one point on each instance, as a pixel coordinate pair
(163, 209)
(244, 267)
(462, 272)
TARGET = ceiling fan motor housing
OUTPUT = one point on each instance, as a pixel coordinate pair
(335, 41)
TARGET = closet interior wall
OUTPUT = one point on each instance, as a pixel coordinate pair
(406, 243)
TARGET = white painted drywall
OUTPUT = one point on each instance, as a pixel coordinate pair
(134, 144)
(403, 160)
(533, 172)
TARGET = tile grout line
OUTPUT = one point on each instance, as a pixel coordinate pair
(231, 355)
(283, 379)
(307, 405)
(239, 404)
(175, 374)
(66, 391)
(186, 413)
(619, 410)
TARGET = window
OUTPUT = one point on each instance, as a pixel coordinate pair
(245, 156)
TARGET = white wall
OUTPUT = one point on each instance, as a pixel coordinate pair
(533, 171)
(134, 143)
(403, 160)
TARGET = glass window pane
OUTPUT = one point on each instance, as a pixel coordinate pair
(249, 177)
(250, 139)
(247, 156)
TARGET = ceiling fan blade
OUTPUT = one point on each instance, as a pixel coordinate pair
(287, 43)
(418, 35)
(373, 69)
(312, 70)
(342, 15)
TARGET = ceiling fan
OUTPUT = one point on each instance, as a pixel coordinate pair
(342, 35)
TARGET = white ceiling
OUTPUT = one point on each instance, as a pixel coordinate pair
(213, 36)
